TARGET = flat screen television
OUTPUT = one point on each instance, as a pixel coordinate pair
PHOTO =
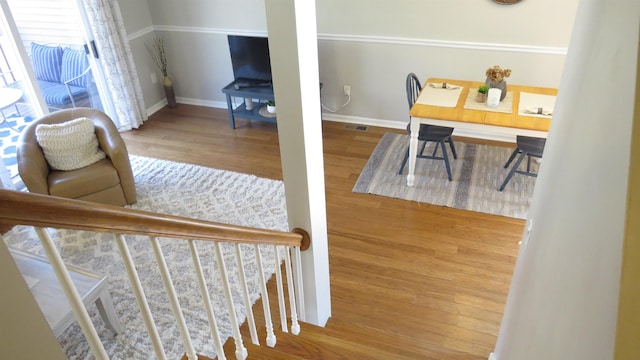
(250, 58)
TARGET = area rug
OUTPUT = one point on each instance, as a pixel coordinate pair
(477, 175)
(177, 189)
(10, 129)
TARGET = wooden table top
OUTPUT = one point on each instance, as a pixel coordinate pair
(486, 117)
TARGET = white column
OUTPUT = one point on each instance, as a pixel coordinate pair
(294, 62)
(564, 294)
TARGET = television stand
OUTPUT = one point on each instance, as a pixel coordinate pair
(252, 90)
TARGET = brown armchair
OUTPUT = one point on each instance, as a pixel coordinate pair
(108, 181)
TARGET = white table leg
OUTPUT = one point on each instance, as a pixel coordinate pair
(413, 149)
(107, 312)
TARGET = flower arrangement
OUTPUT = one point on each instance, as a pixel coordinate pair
(158, 54)
(497, 74)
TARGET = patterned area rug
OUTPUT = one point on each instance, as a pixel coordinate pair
(177, 189)
(10, 129)
(477, 175)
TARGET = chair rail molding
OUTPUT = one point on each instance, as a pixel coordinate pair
(380, 40)
(140, 33)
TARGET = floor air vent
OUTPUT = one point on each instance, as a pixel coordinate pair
(356, 127)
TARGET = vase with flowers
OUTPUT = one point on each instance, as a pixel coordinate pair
(157, 50)
(495, 79)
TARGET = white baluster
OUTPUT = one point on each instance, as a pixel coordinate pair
(241, 351)
(271, 337)
(295, 326)
(245, 294)
(297, 258)
(72, 295)
(173, 299)
(280, 287)
(141, 299)
(204, 292)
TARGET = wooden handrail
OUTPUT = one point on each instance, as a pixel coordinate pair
(24, 208)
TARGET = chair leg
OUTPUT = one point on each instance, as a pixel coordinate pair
(424, 145)
(446, 159)
(512, 171)
(453, 148)
(404, 162)
(435, 149)
(513, 156)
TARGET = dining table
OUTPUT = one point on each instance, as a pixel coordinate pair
(525, 110)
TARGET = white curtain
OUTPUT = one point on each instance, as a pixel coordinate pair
(117, 61)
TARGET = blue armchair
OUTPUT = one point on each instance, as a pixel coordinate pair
(63, 74)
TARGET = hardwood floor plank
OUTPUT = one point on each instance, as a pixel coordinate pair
(408, 280)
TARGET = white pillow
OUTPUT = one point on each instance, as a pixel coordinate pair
(70, 145)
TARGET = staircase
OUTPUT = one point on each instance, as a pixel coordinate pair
(40, 211)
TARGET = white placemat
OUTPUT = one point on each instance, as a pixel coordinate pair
(505, 106)
(439, 96)
(529, 101)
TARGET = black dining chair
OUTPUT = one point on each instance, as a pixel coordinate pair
(437, 134)
(526, 146)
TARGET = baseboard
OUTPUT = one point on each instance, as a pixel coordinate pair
(492, 356)
(389, 124)
(156, 107)
(199, 102)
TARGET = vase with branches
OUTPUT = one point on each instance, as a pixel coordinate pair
(159, 56)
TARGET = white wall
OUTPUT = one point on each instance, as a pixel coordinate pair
(563, 301)
(368, 44)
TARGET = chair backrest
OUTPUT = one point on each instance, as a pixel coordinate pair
(74, 64)
(60, 64)
(413, 88)
(47, 62)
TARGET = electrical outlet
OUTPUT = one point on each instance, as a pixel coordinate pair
(154, 79)
(347, 90)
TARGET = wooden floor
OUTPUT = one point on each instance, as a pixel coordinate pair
(408, 280)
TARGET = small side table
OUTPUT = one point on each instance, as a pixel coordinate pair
(44, 286)
(247, 92)
(9, 97)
